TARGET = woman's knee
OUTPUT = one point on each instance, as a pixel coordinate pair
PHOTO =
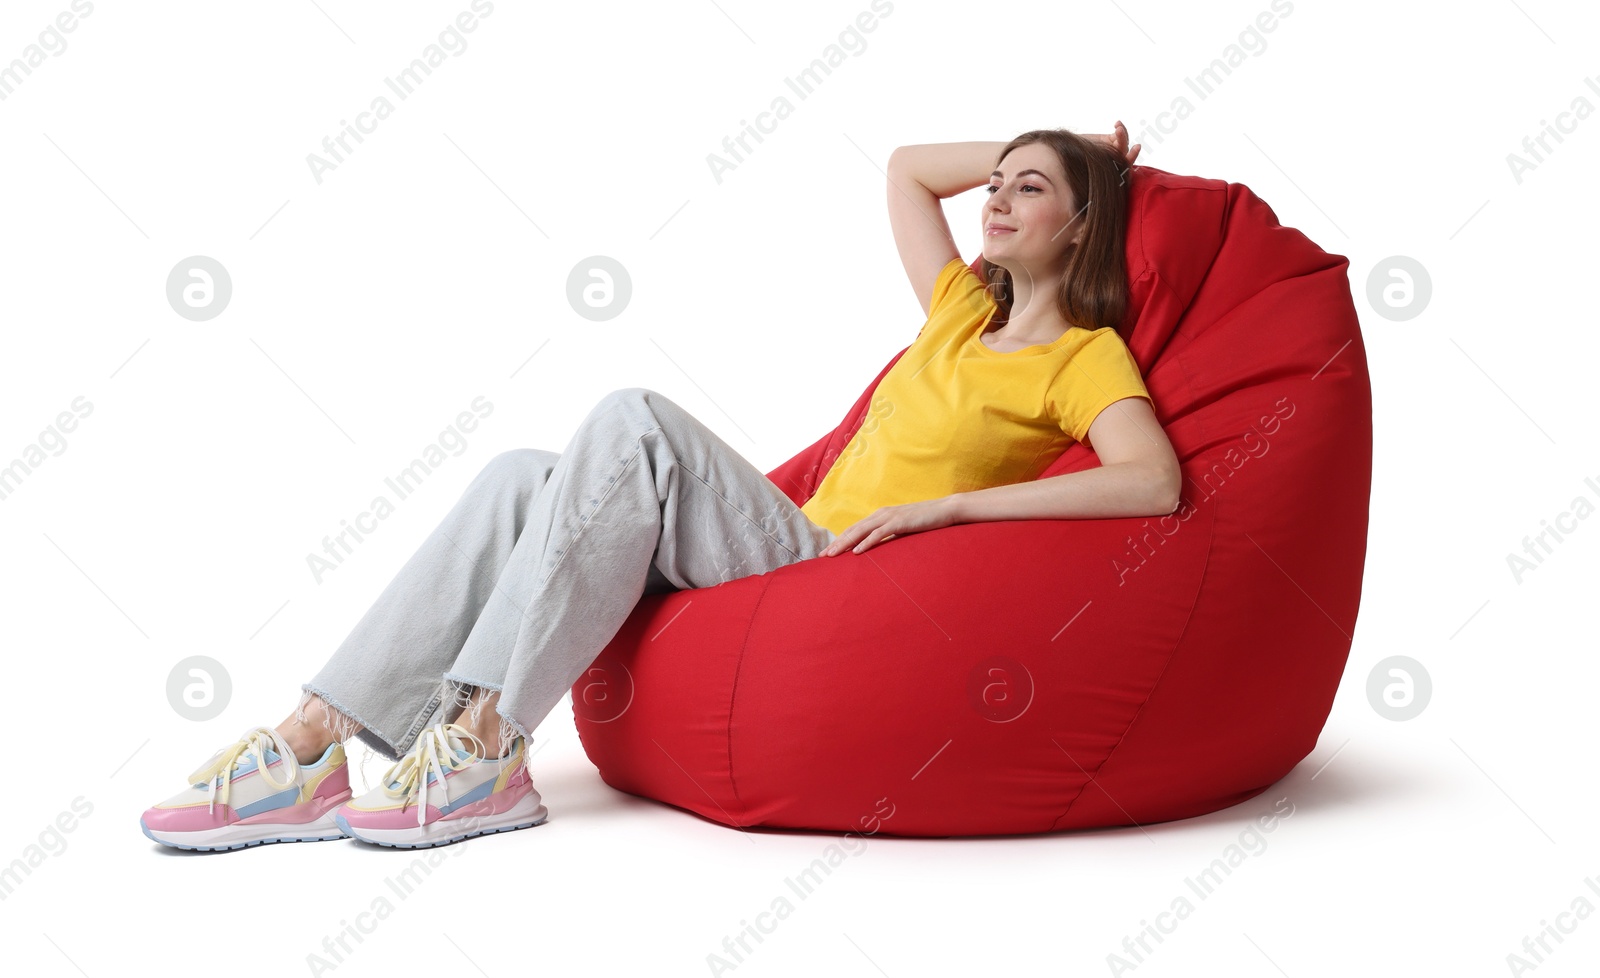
(626, 395)
(625, 406)
(521, 466)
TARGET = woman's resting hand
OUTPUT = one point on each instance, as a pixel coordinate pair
(890, 521)
(1117, 139)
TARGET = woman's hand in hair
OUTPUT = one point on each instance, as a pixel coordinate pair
(891, 521)
(1117, 139)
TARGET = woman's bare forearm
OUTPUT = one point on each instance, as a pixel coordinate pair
(1118, 490)
(946, 169)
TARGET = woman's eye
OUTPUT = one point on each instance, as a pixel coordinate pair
(995, 186)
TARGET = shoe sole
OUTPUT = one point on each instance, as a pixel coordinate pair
(525, 814)
(221, 840)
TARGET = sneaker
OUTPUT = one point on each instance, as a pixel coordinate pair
(467, 794)
(233, 801)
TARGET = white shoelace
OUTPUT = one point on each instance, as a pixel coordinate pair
(256, 740)
(434, 751)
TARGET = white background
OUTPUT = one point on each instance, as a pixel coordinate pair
(369, 309)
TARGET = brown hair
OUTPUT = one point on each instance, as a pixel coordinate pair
(1094, 286)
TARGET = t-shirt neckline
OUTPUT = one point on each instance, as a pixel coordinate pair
(1033, 349)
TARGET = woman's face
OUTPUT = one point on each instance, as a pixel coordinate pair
(1030, 219)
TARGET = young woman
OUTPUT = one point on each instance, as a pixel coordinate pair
(531, 574)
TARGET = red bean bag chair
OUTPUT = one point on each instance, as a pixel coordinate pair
(1025, 676)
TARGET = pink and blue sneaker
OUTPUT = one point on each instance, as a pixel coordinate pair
(252, 793)
(443, 791)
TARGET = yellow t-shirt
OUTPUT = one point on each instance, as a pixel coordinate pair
(953, 415)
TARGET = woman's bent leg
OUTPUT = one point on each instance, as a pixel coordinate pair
(644, 494)
(386, 676)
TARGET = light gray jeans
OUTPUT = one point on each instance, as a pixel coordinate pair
(534, 570)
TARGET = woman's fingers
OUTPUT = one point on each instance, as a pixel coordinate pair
(1129, 153)
(841, 543)
(1117, 139)
(1122, 143)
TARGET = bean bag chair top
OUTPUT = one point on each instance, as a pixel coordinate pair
(1026, 676)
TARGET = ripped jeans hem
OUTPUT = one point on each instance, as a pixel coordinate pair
(341, 721)
(455, 691)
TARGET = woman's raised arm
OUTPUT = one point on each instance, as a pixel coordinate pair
(923, 174)
(947, 169)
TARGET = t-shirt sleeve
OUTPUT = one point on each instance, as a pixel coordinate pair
(957, 288)
(1101, 373)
